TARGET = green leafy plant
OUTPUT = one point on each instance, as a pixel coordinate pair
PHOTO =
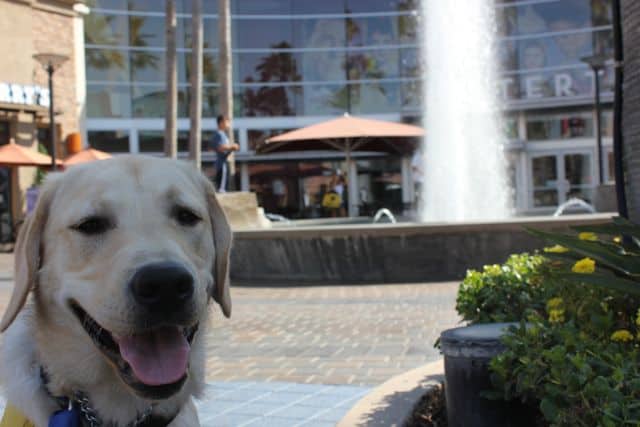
(576, 352)
(616, 259)
(503, 293)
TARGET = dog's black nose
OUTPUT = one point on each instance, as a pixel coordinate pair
(162, 287)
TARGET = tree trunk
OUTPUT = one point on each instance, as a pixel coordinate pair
(226, 82)
(631, 105)
(170, 130)
(195, 106)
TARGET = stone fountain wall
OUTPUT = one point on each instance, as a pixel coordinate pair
(400, 253)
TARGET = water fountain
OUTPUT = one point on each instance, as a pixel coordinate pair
(465, 169)
(466, 221)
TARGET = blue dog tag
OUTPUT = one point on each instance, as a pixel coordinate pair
(65, 418)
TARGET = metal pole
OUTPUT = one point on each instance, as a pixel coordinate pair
(52, 125)
(195, 107)
(596, 72)
(171, 112)
(617, 110)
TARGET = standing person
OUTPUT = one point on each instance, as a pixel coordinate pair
(221, 145)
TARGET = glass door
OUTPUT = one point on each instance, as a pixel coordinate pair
(558, 177)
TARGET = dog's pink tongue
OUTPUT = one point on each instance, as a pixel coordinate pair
(157, 358)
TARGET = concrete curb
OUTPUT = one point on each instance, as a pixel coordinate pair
(391, 404)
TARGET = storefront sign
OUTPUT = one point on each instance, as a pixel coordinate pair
(24, 94)
(545, 85)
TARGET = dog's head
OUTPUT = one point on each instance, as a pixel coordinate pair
(127, 252)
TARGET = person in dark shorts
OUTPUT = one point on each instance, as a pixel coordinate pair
(223, 147)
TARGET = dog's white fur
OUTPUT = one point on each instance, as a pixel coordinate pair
(55, 263)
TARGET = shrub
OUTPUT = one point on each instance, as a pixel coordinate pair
(503, 293)
(576, 352)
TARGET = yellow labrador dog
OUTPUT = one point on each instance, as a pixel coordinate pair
(122, 258)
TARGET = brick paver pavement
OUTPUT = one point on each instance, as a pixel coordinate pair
(358, 335)
(330, 334)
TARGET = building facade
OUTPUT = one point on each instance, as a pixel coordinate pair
(28, 28)
(298, 62)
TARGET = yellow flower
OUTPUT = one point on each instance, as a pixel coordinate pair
(556, 316)
(617, 240)
(622, 335)
(493, 270)
(587, 235)
(584, 266)
(554, 303)
(557, 249)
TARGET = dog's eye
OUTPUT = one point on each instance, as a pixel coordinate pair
(93, 225)
(186, 217)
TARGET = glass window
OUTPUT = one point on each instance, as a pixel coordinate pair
(109, 141)
(108, 101)
(545, 181)
(209, 36)
(324, 66)
(549, 127)
(324, 32)
(374, 64)
(209, 67)
(147, 31)
(268, 67)
(258, 136)
(314, 6)
(373, 31)
(325, 99)
(577, 168)
(611, 169)
(607, 124)
(150, 101)
(410, 63)
(368, 6)
(511, 127)
(209, 7)
(262, 7)
(371, 98)
(153, 141)
(262, 33)
(107, 4)
(147, 66)
(408, 28)
(270, 100)
(4, 133)
(147, 5)
(411, 95)
(107, 65)
(210, 101)
(101, 29)
(552, 16)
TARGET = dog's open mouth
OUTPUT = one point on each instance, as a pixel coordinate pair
(153, 362)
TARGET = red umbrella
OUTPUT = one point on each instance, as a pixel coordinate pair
(84, 156)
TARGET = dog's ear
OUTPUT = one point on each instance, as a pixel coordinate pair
(222, 238)
(28, 253)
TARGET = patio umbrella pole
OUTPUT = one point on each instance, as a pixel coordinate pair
(352, 177)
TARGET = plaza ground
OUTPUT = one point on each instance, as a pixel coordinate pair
(305, 355)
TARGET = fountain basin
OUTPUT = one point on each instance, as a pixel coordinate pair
(384, 253)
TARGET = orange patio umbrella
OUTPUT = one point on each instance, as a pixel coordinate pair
(87, 155)
(12, 154)
(348, 134)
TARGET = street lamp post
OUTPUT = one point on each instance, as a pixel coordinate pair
(597, 63)
(51, 62)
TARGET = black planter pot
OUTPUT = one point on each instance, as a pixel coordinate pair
(467, 352)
